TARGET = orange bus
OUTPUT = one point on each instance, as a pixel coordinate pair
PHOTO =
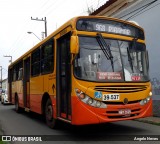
(90, 70)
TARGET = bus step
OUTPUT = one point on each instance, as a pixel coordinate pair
(27, 109)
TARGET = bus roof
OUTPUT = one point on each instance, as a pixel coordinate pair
(72, 23)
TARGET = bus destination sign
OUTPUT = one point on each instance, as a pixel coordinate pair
(119, 30)
(112, 29)
(109, 26)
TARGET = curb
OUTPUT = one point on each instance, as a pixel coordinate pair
(150, 120)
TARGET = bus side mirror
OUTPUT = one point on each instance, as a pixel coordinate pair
(74, 47)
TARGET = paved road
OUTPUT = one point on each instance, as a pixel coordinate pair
(13, 123)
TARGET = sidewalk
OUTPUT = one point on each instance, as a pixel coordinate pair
(151, 120)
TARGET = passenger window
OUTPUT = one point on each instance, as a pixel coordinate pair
(15, 70)
(47, 57)
(35, 63)
(20, 74)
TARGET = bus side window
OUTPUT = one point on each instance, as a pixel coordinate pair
(14, 74)
(20, 74)
(47, 57)
(35, 62)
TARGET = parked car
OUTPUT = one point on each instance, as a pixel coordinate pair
(0, 93)
(4, 97)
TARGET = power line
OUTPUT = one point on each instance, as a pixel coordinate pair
(21, 35)
(146, 10)
(142, 9)
(46, 7)
(144, 6)
(53, 7)
(20, 39)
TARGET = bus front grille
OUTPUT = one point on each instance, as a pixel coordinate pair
(120, 103)
(121, 88)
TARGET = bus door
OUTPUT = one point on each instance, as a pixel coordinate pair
(63, 77)
(10, 74)
(26, 83)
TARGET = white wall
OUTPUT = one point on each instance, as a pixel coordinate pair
(4, 84)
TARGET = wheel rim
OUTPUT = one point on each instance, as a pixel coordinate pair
(49, 112)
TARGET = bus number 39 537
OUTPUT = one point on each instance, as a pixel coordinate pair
(110, 97)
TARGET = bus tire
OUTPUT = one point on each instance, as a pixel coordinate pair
(17, 108)
(50, 121)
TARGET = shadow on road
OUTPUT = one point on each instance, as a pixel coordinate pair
(67, 132)
(99, 132)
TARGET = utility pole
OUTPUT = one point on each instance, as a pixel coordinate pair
(42, 33)
(10, 57)
(45, 23)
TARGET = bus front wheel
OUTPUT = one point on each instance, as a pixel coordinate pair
(50, 121)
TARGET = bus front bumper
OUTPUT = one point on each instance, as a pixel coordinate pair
(84, 114)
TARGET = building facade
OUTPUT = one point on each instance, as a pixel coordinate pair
(5, 84)
(143, 12)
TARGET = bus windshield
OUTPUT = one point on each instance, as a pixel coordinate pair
(128, 61)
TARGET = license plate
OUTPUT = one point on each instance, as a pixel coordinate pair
(111, 97)
(125, 111)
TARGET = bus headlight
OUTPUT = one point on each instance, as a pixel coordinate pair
(88, 100)
(145, 101)
(150, 94)
(98, 104)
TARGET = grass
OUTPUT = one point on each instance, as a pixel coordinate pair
(3, 142)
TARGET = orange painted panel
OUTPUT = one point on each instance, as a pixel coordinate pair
(85, 114)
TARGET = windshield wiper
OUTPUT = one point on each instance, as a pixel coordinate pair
(133, 46)
(105, 48)
(130, 59)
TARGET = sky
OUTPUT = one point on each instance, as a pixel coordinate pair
(16, 21)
